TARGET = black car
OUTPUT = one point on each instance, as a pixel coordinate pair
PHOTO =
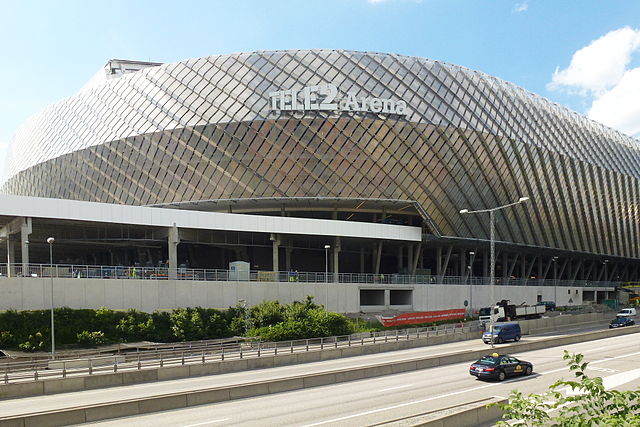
(499, 366)
(621, 321)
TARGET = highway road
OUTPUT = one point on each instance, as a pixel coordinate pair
(381, 399)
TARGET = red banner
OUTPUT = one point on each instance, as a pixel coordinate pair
(422, 317)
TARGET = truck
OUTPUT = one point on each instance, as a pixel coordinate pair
(505, 312)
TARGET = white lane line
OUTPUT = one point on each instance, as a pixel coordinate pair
(594, 362)
(206, 422)
(414, 402)
(396, 388)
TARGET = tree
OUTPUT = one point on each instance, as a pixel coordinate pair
(590, 404)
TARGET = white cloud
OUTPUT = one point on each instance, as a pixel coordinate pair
(600, 72)
(599, 66)
(619, 108)
(521, 7)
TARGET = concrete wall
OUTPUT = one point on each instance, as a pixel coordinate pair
(27, 293)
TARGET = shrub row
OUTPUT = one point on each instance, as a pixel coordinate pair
(270, 321)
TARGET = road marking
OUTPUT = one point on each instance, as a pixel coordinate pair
(396, 388)
(596, 368)
(595, 361)
(207, 422)
(401, 405)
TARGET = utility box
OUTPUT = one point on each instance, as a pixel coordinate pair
(239, 270)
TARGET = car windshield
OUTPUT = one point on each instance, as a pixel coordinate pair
(484, 311)
(497, 328)
(488, 360)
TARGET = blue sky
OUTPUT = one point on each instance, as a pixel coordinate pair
(50, 49)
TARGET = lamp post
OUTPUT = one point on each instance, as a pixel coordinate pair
(326, 273)
(50, 241)
(492, 228)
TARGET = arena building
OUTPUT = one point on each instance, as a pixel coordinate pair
(340, 139)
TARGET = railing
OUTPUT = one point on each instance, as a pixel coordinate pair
(164, 273)
(201, 352)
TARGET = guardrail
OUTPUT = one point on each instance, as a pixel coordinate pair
(163, 273)
(202, 352)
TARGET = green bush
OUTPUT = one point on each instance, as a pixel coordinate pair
(135, 326)
(91, 339)
(6, 339)
(299, 320)
(35, 342)
(29, 330)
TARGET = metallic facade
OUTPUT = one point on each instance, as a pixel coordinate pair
(203, 129)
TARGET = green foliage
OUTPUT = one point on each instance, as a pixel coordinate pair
(590, 404)
(35, 342)
(298, 320)
(267, 313)
(7, 339)
(29, 330)
(135, 326)
(91, 339)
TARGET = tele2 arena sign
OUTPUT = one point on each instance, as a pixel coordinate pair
(325, 97)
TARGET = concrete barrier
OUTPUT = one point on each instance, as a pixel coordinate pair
(40, 387)
(468, 415)
(217, 394)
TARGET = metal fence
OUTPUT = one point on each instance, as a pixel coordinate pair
(200, 352)
(163, 273)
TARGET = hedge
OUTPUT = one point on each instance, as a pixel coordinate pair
(269, 321)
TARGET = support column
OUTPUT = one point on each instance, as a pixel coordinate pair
(336, 259)
(409, 258)
(173, 241)
(361, 260)
(11, 258)
(416, 255)
(287, 258)
(400, 258)
(25, 232)
(378, 258)
(275, 238)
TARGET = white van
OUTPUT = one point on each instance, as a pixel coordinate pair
(626, 312)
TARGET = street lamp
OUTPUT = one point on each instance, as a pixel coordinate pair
(50, 241)
(326, 273)
(492, 227)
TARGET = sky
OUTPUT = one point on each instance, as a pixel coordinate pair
(584, 54)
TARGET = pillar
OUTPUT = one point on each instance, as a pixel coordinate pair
(275, 238)
(410, 269)
(378, 253)
(336, 256)
(11, 257)
(287, 258)
(173, 240)
(25, 232)
(361, 260)
(400, 256)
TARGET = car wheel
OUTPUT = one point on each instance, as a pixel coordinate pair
(499, 340)
(501, 376)
(516, 338)
(528, 371)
